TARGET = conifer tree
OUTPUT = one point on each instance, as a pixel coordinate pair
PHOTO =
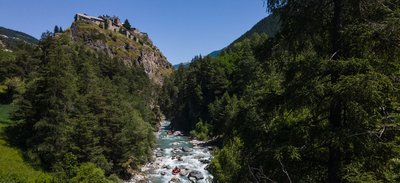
(56, 29)
(127, 25)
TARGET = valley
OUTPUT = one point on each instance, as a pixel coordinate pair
(311, 93)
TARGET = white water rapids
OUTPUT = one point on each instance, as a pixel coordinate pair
(174, 150)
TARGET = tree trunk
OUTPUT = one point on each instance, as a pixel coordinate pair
(335, 159)
(336, 28)
(335, 119)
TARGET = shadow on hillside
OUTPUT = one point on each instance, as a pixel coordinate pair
(14, 135)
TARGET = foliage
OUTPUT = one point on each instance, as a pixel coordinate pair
(77, 106)
(201, 131)
(127, 25)
(87, 173)
(226, 163)
(12, 165)
(317, 103)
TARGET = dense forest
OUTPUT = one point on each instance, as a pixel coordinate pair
(318, 102)
(315, 100)
(78, 114)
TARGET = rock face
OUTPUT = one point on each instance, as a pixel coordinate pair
(137, 52)
(153, 63)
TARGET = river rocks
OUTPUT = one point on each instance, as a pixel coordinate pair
(139, 178)
(157, 162)
(159, 154)
(175, 143)
(178, 133)
(204, 161)
(186, 149)
(192, 179)
(196, 142)
(179, 158)
(183, 172)
(199, 156)
(196, 174)
(178, 152)
(175, 180)
(166, 167)
(183, 167)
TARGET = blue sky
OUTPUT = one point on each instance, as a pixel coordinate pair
(180, 28)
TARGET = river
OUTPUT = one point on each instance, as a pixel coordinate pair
(176, 150)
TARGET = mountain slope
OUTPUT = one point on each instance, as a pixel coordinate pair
(269, 25)
(11, 38)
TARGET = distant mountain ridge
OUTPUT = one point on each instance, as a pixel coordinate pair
(11, 38)
(270, 25)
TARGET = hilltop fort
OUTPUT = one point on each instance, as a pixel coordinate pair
(108, 35)
(112, 23)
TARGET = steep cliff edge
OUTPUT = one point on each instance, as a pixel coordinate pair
(134, 48)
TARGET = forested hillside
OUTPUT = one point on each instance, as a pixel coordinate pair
(78, 113)
(319, 102)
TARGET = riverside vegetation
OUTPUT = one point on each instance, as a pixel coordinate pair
(318, 102)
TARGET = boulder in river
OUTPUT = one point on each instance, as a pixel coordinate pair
(139, 178)
(159, 154)
(183, 172)
(175, 180)
(179, 158)
(183, 167)
(178, 133)
(166, 166)
(204, 161)
(175, 143)
(163, 173)
(186, 149)
(192, 179)
(199, 156)
(196, 174)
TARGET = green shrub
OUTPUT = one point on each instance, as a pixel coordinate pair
(89, 173)
(201, 131)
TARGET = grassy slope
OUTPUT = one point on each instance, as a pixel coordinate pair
(12, 166)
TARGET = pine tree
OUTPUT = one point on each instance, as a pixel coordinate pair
(127, 25)
(56, 29)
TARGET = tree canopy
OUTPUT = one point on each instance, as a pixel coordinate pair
(318, 102)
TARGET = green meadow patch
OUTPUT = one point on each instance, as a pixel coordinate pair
(13, 168)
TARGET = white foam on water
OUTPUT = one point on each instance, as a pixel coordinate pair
(171, 148)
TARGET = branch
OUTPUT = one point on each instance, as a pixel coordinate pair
(259, 175)
(333, 56)
(284, 171)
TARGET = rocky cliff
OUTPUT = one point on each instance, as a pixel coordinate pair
(134, 48)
